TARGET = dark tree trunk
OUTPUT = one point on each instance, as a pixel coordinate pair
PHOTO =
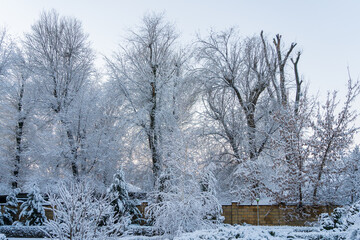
(152, 132)
(18, 137)
(74, 153)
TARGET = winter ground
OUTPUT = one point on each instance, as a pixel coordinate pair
(246, 232)
(253, 233)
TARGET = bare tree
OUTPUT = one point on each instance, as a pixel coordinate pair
(6, 52)
(236, 76)
(148, 72)
(61, 60)
(227, 62)
(333, 133)
(16, 104)
(291, 152)
(292, 119)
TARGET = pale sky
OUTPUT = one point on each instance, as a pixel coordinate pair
(327, 31)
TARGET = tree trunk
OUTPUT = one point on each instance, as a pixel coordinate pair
(282, 64)
(74, 155)
(18, 138)
(298, 84)
(152, 132)
(321, 169)
(250, 120)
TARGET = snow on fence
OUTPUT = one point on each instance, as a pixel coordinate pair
(273, 214)
(268, 214)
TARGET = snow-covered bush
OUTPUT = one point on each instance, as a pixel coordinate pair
(18, 231)
(353, 221)
(180, 205)
(342, 219)
(11, 208)
(32, 209)
(3, 237)
(211, 205)
(124, 208)
(326, 222)
(79, 212)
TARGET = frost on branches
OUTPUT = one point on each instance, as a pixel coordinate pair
(181, 204)
(79, 213)
(208, 192)
(333, 135)
(32, 209)
(124, 208)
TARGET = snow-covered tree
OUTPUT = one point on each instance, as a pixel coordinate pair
(291, 152)
(6, 51)
(333, 134)
(17, 99)
(9, 95)
(148, 73)
(124, 208)
(32, 210)
(11, 207)
(350, 186)
(79, 213)
(61, 62)
(236, 76)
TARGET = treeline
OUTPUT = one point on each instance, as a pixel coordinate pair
(226, 112)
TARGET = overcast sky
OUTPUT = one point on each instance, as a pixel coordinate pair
(327, 31)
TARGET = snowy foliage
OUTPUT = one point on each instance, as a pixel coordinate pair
(19, 231)
(180, 205)
(153, 88)
(342, 219)
(333, 134)
(123, 207)
(211, 205)
(326, 222)
(79, 213)
(32, 209)
(10, 209)
(350, 187)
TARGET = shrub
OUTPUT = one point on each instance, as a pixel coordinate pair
(79, 213)
(32, 209)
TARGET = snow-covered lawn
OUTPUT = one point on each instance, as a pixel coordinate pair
(26, 238)
(254, 233)
(226, 232)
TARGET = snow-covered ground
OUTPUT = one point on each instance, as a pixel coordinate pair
(26, 238)
(225, 232)
(253, 233)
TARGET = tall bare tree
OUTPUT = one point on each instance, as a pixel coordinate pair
(230, 65)
(148, 72)
(61, 60)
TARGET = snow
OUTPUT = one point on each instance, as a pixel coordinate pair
(251, 232)
(244, 232)
(27, 238)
